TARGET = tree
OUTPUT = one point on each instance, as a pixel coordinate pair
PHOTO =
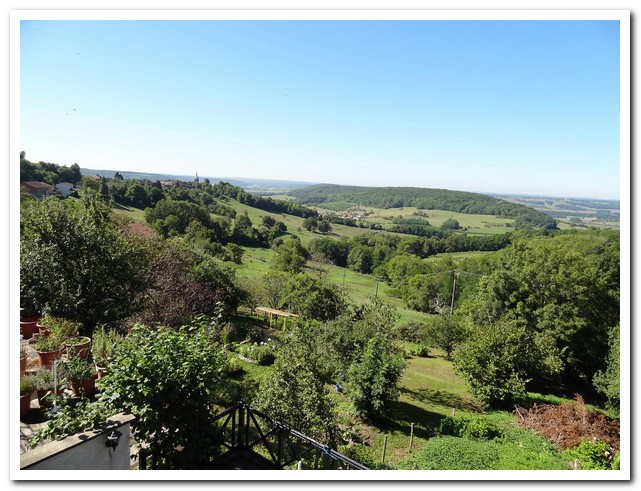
(450, 224)
(310, 223)
(324, 226)
(186, 284)
(498, 361)
(608, 381)
(313, 298)
(360, 259)
(75, 262)
(290, 256)
(564, 287)
(295, 392)
(373, 379)
(446, 332)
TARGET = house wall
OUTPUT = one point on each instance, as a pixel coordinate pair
(84, 451)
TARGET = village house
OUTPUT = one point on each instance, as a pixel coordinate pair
(37, 189)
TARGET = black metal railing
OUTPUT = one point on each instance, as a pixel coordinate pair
(256, 441)
(245, 428)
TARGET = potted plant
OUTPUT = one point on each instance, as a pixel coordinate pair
(28, 324)
(27, 386)
(63, 328)
(78, 345)
(44, 385)
(49, 349)
(23, 359)
(102, 348)
(81, 375)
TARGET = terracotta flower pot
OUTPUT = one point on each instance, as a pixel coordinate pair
(80, 349)
(46, 358)
(85, 387)
(100, 371)
(42, 402)
(43, 330)
(25, 404)
(23, 364)
(29, 326)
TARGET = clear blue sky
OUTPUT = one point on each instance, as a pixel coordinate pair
(528, 107)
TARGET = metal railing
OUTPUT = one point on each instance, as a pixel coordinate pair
(255, 440)
(249, 429)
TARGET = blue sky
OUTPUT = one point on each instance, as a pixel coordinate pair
(524, 107)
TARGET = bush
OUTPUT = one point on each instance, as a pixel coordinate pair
(170, 380)
(262, 353)
(422, 350)
(475, 426)
(594, 455)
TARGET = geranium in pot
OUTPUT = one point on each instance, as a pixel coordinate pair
(81, 375)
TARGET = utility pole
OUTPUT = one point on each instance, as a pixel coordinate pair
(376, 294)
(454, 275)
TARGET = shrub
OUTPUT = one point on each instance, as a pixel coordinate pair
(594, 455)
(261, 353)
(422, 350)
(474, 426)
(170, 380)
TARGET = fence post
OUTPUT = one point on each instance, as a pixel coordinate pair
(384, 449)
(411, 436)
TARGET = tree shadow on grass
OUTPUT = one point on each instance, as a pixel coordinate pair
(404, 414)
(440, 398)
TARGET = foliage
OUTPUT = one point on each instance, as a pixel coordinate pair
(428, 199)
(170, 380)
(295, 392)
(313, 298)
(60, 327)
(171, 217)
(103, 345)
(76, 369)
(68, 419)
(593, 455)
(497, 362)
(421, 350)
(185, 284)
(27, 384)
(43, 379)
(45, 344)
(373, 379)
(446, 332)
(565, 289)
(475, 426)
(290, 257)
(262, 353)
(48, 172)
(452, 453)
(76, 263)
(608, 382)
(343, 340)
